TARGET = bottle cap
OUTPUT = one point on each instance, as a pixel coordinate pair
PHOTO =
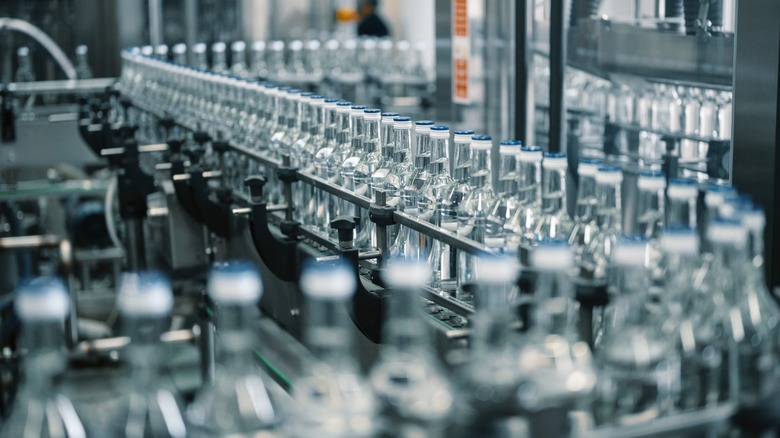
(144, 294)
(680, 240)
(387, 118)
(717, 195)
(357, 110)
(422, 126)
(235, 282)
(630, 251)
(42, 299)
(238, 46)
(589, 166)
(552, 255)
(330, 281)
(343, 107)
(440, 131)
(682, 188)
(727, 231)
(509, 147)
(402, 123)
(406, 273)
(651, 180)
(555, 160)
(481, 142)
(530, 154)
(609, 175)
(372, 114)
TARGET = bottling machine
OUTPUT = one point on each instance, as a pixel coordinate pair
(598, 276)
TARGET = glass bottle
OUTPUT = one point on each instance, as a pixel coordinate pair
(408, 376)
(637, 359)
(332, 398)
(597, 254)
(42, 306)
(357, 130)
(714, 197)
(430, 203)
(306, 148)
(491, 367)
(385, 166)
(145, 301)
(199, 56)
(219, 57)
(300, 137)
(325, 205)
(179, 54)
(83, 71)
(649, 217)
(340, 152)
(259, 66)
(585, 207)
(473, 211)
(507, 201)
(406, 243)
(683, 195)
(555, 222)
(367, 165)
(238, 401)
(460, 174)
(24, 70)
(238, 59)
(522, 224)
(550, 351)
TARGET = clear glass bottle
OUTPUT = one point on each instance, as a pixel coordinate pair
(306, 148)
(404, 244)
(408, 376)
(430, 203)
(238, 401)
(550, 351)
(145, 301)
(596, 256)
(507, 201)
(238, 65)
(199, 60)
(300, 137)
(650, 206)
(24, 70)
(585, 206)
(42, 306)
(639, 365)
(714, 197)
(340, 152)
(385, 166)
(491, 367)
(368, 164)
(259, 66)
(179, 54)
(357, 131)
(83, 70)
(332, 397)
(460, 174)
(324, 204)
(683, 195)
(219, 57)
(527, 215)
(473, 211)
(555, 222)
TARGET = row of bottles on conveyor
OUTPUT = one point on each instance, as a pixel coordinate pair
(350, 59)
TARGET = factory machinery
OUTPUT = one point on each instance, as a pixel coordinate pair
(251, 251)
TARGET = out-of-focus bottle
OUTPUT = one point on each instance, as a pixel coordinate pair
(341, 151)
(180, 54)
(639, 365)
(42, 306)
(649, 216)
(238, 401)
(357, 130)
(277, 69)
(259, 67)
(332, 398)
(683, 195)
(219, 57)
(460, 174)
(83, 71)
(199, 60)
(507, 201)
(305, 150)
(527, 215)
(145, 302)
(408, 376)
(24, 70)
(238, 65)
(404, 244)
(597, 254)
(367, 165)
(585, 206)
(555, 222)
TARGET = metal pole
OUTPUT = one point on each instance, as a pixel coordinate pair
(190, 27)
(155, 23)
(523, 76)
(557, 72)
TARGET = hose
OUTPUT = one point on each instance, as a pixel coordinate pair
(40, 36)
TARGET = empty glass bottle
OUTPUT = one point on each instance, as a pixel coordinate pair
(324, 204)
(333, 399)
(385, 166)
(24, 70)
(596, 256)
(199, 56)
(365, 168)
(259, 66)
(238, 65)
(683, 194)
(555, 222)
(507, 201)
(638, 361)
(523, 222)
(41, 406)
(342, 150)
(357, 130)
(460, 174)
(306, 147)
(585, 225)
(219, 57)
(238, 401)
(408, 376)
(145, 302)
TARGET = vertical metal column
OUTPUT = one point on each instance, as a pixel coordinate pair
(190, 27)
(557, 72)
(155, 23)
(523, 73)
(756, 140)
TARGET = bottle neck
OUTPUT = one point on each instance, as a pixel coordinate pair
(682, 213)
(507, 175)
(403, 145)
(293, 115)
(342, 129)
(650, 213)
(609, 211)
(553, 191)
(279, 110)
(388, 140)
(529, 182)
(304, 116)
(371, 136)
(479, 174)
(462, 165)
(422, 150)
(632, 286)
(406, 328)
(357, 131)
(728, 262)
(45, 358)
(328, 332)
(492, 318)
(439, 156)
(555, 311)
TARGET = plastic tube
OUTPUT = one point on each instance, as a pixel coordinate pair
(40, 36)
